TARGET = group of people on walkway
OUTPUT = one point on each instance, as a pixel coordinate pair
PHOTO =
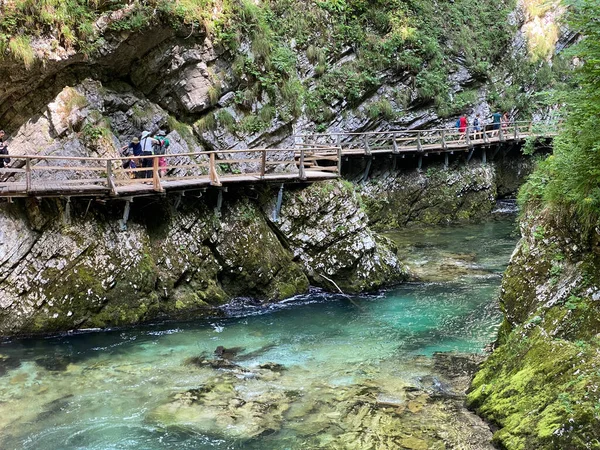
(142, 149)
(478, 126)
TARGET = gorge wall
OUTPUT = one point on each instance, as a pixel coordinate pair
(541, 385)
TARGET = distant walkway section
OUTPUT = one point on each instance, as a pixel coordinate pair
(314, 157)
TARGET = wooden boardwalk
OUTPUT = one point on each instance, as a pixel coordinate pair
(314, 157)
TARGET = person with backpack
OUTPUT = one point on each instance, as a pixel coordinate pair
(133, 149)
(3, 151)
(148, 143)
(161, 149)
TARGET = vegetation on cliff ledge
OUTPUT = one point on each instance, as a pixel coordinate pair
(571, 176)
(353, 45)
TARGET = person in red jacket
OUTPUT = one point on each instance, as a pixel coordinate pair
(463, 124)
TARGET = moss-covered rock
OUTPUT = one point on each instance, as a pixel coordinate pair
(435, 196)
(541, 386)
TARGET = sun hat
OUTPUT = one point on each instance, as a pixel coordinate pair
(136, 140)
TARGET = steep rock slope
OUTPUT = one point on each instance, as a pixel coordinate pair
(541, 385)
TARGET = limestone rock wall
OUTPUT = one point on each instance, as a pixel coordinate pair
(178, 262)
(540, 387)
(464, 192)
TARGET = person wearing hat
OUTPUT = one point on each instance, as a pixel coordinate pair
(3, 151)
(148, 144)
(134, 149)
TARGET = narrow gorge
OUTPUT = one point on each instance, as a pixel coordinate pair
(356, 309)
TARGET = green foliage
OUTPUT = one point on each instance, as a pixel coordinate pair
(206, 123)
(20, 48)
(571, 177)
(225, 119)
(381, 109)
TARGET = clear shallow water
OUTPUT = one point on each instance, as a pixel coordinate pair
(123, 389)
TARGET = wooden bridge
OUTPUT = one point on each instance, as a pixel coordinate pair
(313, 158)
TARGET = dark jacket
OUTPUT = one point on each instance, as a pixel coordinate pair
(3, 151)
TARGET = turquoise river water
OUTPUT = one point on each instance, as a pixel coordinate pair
(319, 371)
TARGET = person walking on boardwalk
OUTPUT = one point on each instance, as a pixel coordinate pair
(463, 124)
(161, 149)
(496, 117)
(3, 151)
(148, 144)
(477, 127)
(133, 149)
(504, 122)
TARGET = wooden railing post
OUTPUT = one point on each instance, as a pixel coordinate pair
(516, 131)
(28, 175)
(110, 184)
(419, 146)
(263, 163)
(501, 133)
(339, 161)
(394, 144)
(444, 144)
(301, 171)
(155, 175)
(212, 171)
(486, 138)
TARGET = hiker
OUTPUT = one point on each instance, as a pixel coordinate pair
(496, 117)
(147, 142)
(3, 151)
(463, 124)
(505, 121)
(133, 149)
(477, 127)
(161, 149)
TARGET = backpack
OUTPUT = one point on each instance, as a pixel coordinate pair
(158, 148)
(457, 123)
(161, 147)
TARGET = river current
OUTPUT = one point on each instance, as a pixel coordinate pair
(318, 371)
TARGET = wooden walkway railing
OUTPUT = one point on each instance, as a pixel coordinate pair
(315, 157)
(438, 140)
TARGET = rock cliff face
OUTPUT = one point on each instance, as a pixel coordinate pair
(541, 385)
(177, 262)
(437, 195)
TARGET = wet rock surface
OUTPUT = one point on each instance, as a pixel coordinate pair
(247, 404)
